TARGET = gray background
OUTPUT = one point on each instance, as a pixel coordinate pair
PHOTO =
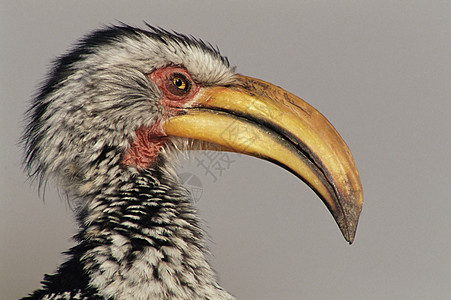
(379, 70)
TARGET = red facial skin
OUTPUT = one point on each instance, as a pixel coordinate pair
(145, 148)
(161, 77)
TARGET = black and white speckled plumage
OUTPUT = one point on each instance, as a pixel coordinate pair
(139, 236)
(140, 240)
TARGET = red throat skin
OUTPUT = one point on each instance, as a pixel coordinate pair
(145, 148)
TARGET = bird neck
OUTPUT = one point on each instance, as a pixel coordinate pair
(141, 239)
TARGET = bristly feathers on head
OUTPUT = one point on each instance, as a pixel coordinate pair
(95, 97)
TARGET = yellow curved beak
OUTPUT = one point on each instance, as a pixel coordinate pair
(259, 119)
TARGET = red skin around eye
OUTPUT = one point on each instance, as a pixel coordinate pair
(149, 141)
(160, 77)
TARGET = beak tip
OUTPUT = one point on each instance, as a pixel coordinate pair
(351, 234)
(348, 226)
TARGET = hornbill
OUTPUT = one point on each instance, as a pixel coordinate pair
(107, 124)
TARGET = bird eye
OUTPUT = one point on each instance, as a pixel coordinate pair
(178, 84)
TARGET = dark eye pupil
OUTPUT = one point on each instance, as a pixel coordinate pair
(178, 82)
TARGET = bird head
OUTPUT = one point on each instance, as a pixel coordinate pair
(124, 99)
